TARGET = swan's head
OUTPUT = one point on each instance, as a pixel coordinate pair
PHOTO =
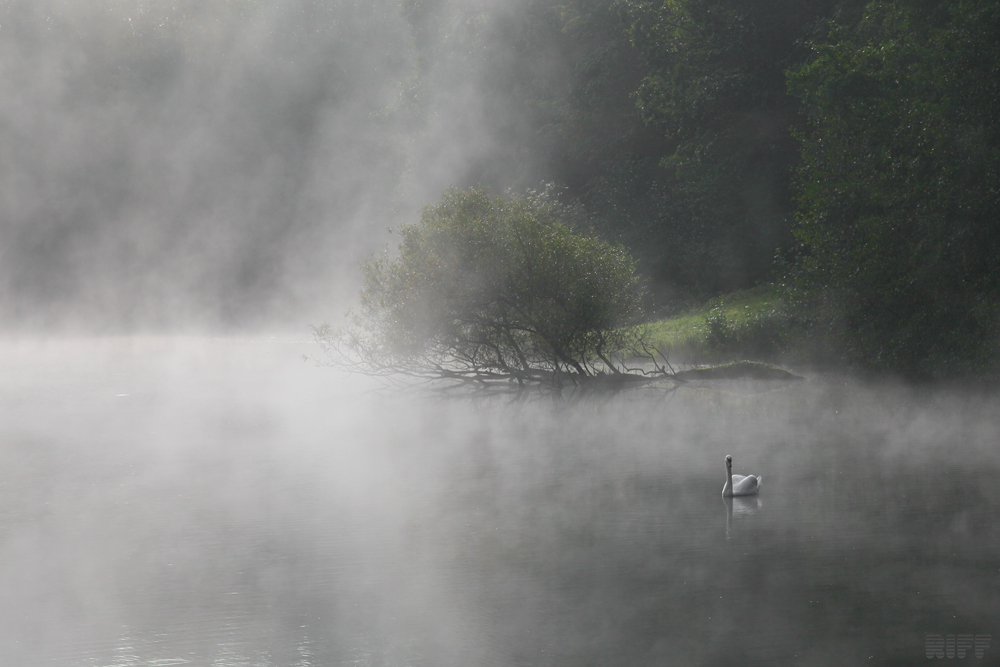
(729, 461)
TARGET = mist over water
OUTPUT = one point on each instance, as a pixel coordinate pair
(221, 502)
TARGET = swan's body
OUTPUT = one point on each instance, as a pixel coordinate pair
(740, 485)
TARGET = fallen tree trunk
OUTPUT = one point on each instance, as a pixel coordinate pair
(739, 370)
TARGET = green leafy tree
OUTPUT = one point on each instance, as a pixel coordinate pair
(715, 88)
(601, 149)
(900, 186)
(488, 288)
(668, 121)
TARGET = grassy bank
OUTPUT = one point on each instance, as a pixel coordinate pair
(752, 324)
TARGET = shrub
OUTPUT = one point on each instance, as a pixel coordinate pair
(488, 286)
(757, 335)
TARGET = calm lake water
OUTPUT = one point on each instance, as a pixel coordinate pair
(222, 502)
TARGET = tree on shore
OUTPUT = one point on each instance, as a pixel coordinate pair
(492, 289)
(715, 88)
(899, 187)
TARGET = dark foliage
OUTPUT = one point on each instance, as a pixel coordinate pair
(854, 142)
(900, 187)
(715, 88)
(670, 122)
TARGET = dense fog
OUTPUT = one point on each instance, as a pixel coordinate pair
(191, 165)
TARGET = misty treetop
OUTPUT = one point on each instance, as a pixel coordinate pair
(487, 287)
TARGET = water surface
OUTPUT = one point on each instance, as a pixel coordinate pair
(221, 502)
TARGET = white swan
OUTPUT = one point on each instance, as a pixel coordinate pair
(738, 485)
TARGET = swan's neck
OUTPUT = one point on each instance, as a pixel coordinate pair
(728, 489)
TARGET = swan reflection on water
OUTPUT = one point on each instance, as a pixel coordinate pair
(740, 507)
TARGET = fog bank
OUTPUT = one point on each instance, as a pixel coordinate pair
(217, 164)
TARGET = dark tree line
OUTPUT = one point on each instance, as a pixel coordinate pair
(899, 186)
(670, 122)
(845, 149)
